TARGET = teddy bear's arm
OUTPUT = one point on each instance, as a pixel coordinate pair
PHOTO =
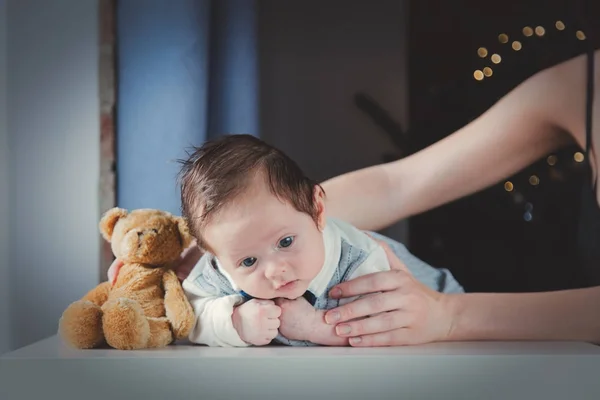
(99, 294)
(178, 309)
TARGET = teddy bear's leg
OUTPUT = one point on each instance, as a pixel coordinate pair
(160, 332)
(125, 325)
(81, 325)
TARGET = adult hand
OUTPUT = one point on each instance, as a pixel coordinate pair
(399, 310)
(188, 259)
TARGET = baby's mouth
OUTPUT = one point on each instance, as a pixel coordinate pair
(287, 285)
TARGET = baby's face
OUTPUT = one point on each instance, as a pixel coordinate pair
(267, 247)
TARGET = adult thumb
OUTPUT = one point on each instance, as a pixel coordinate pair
(113, 271)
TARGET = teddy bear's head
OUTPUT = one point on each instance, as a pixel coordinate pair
(145, 236)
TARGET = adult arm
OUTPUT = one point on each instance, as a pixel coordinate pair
(527, 123)
(418, 314)
(560, 315)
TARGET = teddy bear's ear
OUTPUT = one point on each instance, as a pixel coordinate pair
(109, 220)
(184, 231)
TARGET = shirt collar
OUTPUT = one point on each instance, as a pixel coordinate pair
(332, 245)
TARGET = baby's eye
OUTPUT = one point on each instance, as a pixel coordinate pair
(248, 262)
(286, 242)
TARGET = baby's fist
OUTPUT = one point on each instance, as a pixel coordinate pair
(298, 318)
(257, 321)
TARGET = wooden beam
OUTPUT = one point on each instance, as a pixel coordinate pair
(107, 93)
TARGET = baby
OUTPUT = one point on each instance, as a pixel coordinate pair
(268, 244)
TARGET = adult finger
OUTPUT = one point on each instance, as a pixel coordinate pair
(394, 261)
(369, 283)
(363, 307)
(187, 262)
(398, 337)
(383, 322)
(113, 270)
(192, 247)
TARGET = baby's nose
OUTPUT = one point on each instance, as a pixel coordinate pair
(275, 271)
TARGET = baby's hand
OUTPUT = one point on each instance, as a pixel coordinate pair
(298, 318)
(256, 321)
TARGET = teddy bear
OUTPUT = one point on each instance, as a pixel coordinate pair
(145, 307)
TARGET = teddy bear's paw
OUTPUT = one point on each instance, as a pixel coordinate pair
(160, 332)
(125, 325)
(80, 325)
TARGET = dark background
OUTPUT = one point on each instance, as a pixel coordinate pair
(495, 240)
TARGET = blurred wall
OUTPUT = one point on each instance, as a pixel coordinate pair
(4, 190)
(314, 56)
(53, 135)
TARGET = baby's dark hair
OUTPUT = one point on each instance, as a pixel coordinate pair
(217, 172)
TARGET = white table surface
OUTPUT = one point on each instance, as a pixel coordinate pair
(467, 370)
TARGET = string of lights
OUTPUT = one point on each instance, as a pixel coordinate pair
(493, 57)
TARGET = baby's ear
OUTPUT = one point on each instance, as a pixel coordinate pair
(319, 201)
(184, 232)
(109, 220)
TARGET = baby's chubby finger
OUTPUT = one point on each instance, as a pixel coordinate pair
(268, 308)
(264, 302)
(274, 312)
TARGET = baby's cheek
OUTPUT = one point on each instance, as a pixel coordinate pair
(312, 264)
(255, 285)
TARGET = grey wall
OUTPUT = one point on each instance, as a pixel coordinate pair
(53, 131)
(314, 56)
(4, 188)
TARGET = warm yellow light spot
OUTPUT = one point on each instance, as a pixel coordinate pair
(560, 25)
(508, 186)
(534, 180)
(580, 35)
(579, 157)
(487, 71)
(551, 160)
(516, 45)
(482, 52)
(478, 75)
(503, 38)
(527, 31)
(496, 58)
(540, 31)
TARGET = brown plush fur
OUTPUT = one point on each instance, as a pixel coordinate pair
(146, 307)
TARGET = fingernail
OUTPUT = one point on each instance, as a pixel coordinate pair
(343, 329)
(355, 340)
(332, 317)
(335, 292)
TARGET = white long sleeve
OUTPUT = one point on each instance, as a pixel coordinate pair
(214, 326)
